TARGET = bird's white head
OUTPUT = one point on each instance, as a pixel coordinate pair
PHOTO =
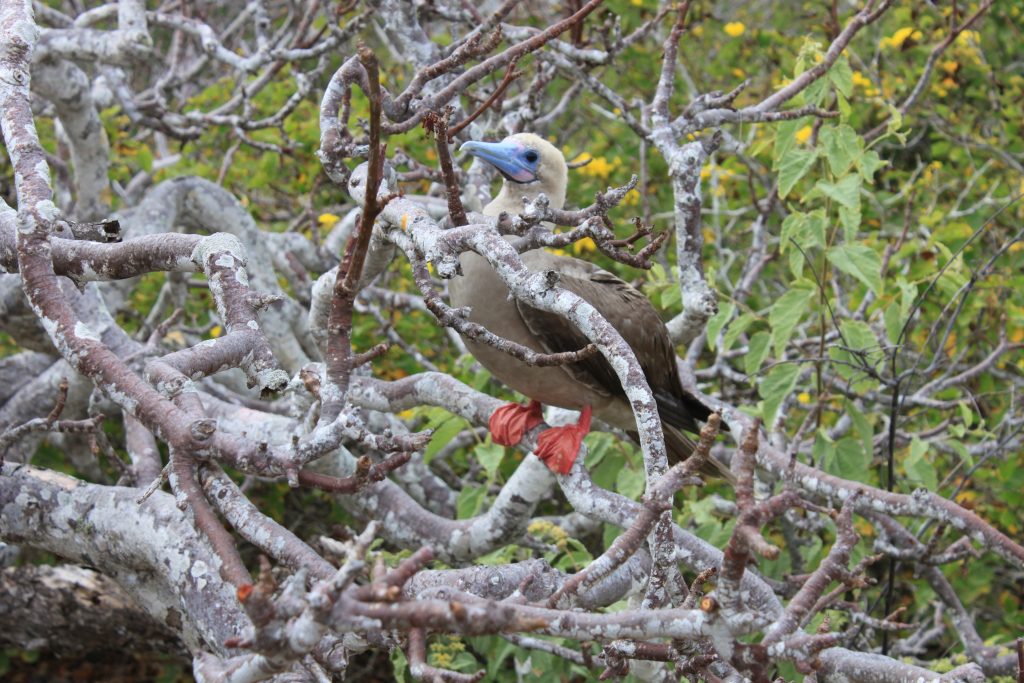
(531, 166)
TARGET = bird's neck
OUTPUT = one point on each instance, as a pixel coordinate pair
(511, 197)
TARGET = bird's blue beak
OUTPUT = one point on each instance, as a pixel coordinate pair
(512, 159)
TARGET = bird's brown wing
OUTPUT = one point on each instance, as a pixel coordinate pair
(632, 314)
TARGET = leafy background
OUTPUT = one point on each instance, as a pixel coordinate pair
(903, 226)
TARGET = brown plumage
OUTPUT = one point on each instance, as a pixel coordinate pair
(591, 382)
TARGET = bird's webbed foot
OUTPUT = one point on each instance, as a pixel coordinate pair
(509, 422)
(558, 446)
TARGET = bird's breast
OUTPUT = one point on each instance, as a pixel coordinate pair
(482, 290)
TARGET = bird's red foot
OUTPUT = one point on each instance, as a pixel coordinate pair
(558, 446)
(509, 422)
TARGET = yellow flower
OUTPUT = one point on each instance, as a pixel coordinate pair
(859, 79)
(638, 3)
(175, 337)
(951, 66)
(1015, 247)
(632, 198)
(804, 397)
(328, 220)
(948, 83)
(967, 37)
(598, 168)
(584, 245)
(897, 39)
(735, 29)
(697, 31)
(739, 73)
(1017, 336)
(216, 331)
(804, 134)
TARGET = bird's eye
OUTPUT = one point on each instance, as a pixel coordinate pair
(531, 156)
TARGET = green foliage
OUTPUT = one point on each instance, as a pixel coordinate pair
(859, 232)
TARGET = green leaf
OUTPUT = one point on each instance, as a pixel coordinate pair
(489, 455)
(774, 387)
(470, 500)
(757, 351)
(785, 139)
(850, 219)
(843, 147)
(845, 110)
(849, 460)
(846, 192)
(893, 323)
(860, 261)
(786, 312)
(630, 482)
(841, 76)
(736, 328)
(445, 433)
(908, 294)
(718, 321)
(917, 467)
(399, 664)
(859, 335)
(806, 229)
(815, 93)
(893, 125)
(860, 425)
(793, 166)
(966, 413)
(671, 297)
(869, 163)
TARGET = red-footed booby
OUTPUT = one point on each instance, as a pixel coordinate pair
(531, 166)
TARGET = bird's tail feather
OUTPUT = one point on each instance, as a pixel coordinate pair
(680, 447)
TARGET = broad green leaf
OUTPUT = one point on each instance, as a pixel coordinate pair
(470, 500)
(718, 321)
(917, 467)
(841, 76)
(793, 166)
(843, 147)
(816, 92)
(893, 323)
(893, 125)
(860, 425)
(966, 413)
(785, 139)
(671, 297)
(849, 460)
(445, 433)
(735, 329)
(850, 219)
(845, 193)
(630, 482)
(860, 261)
(843, 104)
(786, 312)
(868, 164)
(757, 351)
(489, 455)
(774, 387)
(399, 664)
(796, 262)
(961, 450)
(908, 294)
(806, 229)
(858, 335)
